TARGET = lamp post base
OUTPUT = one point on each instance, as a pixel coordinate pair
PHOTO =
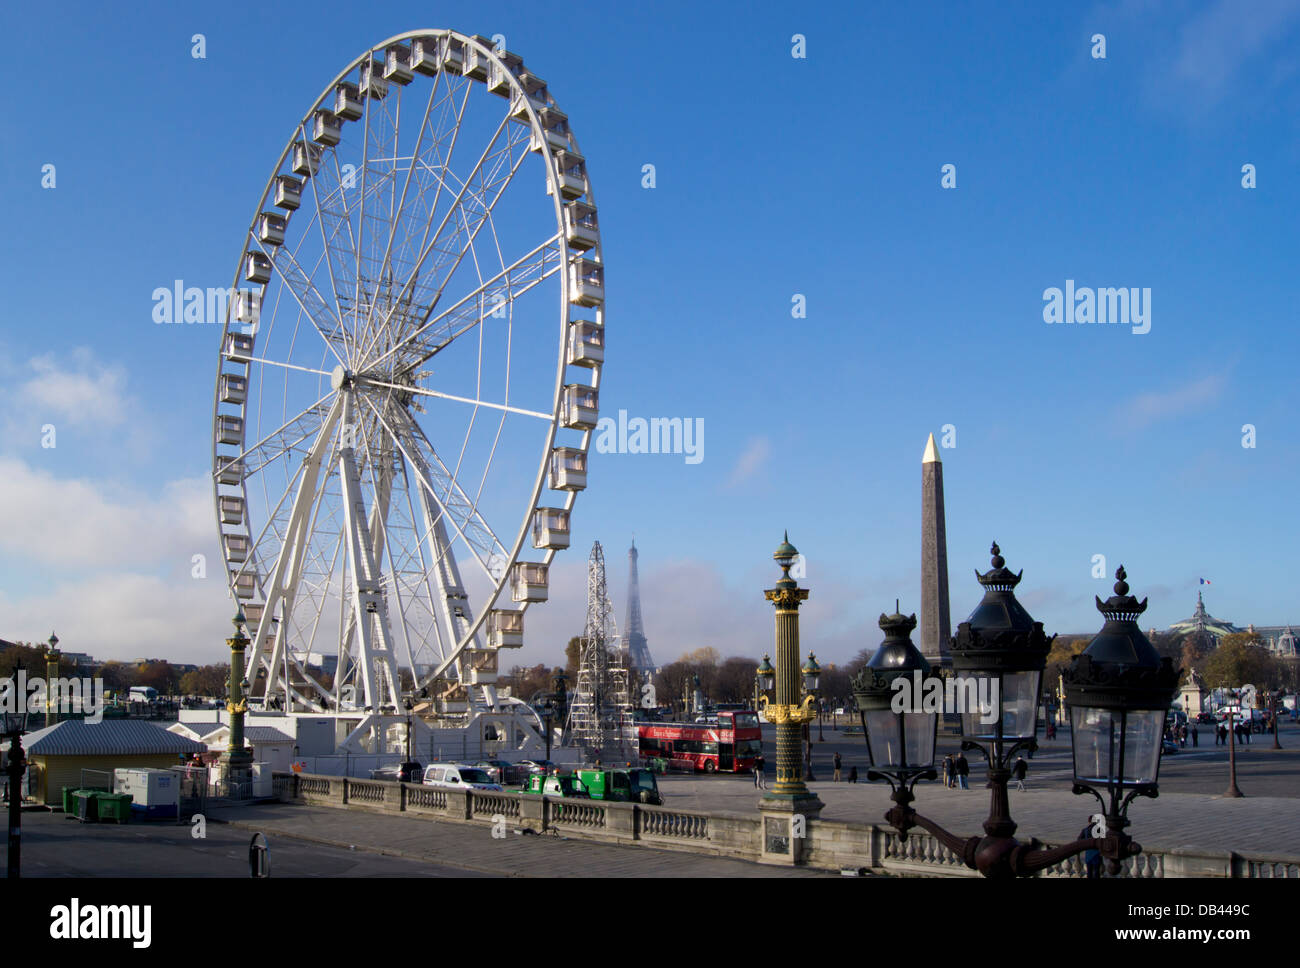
(785, 826)
(235, 773)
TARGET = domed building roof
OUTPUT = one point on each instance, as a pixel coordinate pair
(1203, 621)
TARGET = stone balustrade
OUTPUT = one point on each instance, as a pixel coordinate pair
(832, 844)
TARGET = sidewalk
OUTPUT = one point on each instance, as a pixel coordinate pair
(471, 847)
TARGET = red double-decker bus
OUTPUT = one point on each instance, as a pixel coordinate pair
(728, 746)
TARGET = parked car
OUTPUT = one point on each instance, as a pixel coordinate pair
(502, 771)
(537, 766)
(1206, 718)
(457, 776)
(403, 772)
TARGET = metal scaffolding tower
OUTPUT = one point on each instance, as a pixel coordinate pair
(601, 720)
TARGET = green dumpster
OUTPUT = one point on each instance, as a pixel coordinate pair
(114, 806)
(87, 803)
(69, 804)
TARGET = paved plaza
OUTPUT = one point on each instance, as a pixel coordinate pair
(1190, 811)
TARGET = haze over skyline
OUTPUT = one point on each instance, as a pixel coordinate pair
(777, 177)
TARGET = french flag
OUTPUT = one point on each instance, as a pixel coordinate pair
(1206, 581)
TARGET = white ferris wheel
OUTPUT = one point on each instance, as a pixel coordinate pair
(400, 426)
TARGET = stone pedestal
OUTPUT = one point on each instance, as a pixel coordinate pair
(784, 822)
(235, 772)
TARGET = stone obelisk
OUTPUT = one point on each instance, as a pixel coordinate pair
(936, 630)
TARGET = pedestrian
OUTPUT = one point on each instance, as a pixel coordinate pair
(949, 777)
(836, 761)
(1018, 771)
(1091, 858)
(963, 770)
(760, 781)
(1182, 736)
(1196, 736)
(853, 774)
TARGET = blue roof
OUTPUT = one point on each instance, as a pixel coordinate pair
(112, 737)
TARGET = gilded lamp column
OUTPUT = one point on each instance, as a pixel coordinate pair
(51, 681)
(787, 712)
(238, 758)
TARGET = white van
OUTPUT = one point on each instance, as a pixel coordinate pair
(458, 776)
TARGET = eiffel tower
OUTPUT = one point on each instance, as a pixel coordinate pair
(637, 650)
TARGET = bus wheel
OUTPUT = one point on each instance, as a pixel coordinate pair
(710, 766)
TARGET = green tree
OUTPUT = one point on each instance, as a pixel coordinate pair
(208, 680)
(734, 680)
(1240, 659)
(573, 657)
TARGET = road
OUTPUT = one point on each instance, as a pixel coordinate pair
(57, 846)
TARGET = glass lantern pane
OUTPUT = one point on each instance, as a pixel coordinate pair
(975, 696)
(1142, 740)
(883, 740)
(1093, 734)
(1020, 704)
(918, 733)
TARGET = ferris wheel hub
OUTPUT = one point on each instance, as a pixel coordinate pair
(341, 377)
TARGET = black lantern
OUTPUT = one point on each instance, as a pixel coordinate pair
(998, 656)
(900, 734)
(13, 714)
(766, 676)
(1119, 691)
(812, 675)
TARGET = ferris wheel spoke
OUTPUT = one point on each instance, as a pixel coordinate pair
(396, 206)
(482, 216)
(421, 391)
(409, 287)
(452, 502)
(283, 439)
(468, 312)
(304, 291)
(262, 361)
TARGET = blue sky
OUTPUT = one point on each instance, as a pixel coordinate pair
(775, 176)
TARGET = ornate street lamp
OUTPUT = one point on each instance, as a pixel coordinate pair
(51, 680)
(408, 706)
(237, 761)
(13, 722)
(900, 742)
(764, 682)
(789, 712)
(559, 686)
(1118, 691)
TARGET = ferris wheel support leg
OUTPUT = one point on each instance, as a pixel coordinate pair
(368, 606)
(283, 585)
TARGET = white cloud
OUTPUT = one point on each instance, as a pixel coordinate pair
(128, 616)
(75, 524)
(120, 562)
(1215, 46)
(1148, 408)
(76, 389)
(751, 461)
